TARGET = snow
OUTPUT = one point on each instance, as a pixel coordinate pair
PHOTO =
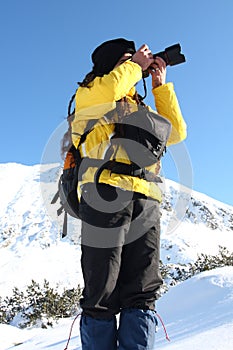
(59, 264)
(55, 338)
(198, 313)
(198, 310)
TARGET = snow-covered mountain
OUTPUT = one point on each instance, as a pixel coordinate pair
(30, 232)
(31, 248)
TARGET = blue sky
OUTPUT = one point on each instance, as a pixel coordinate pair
(45, 50)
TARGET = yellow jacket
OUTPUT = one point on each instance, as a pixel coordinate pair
(94, 101)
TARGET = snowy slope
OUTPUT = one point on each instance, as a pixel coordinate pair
(199, 312)
(30, 242)
(31, 248)
(198, 315)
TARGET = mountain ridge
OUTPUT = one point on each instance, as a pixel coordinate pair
(192, 223)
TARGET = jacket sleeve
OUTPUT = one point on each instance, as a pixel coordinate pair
(100, 96)
(109, 88)
(167, 105)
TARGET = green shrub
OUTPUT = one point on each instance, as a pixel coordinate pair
(175, 273)
(39, 306)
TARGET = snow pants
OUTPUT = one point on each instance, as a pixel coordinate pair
(120, 260)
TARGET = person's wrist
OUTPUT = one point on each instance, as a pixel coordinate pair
(157, 84)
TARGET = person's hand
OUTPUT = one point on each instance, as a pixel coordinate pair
(158, 72)
(143, 57)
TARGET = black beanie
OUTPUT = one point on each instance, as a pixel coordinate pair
(106, 56)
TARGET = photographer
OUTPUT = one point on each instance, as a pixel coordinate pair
(120, 211)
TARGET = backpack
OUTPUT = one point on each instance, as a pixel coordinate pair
(149, 130)
(68, 181)
(144, 127)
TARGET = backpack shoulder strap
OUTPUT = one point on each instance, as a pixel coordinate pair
(70, 104)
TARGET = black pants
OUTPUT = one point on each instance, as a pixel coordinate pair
(120, 251)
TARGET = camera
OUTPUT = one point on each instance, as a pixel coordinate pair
(171, 55)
